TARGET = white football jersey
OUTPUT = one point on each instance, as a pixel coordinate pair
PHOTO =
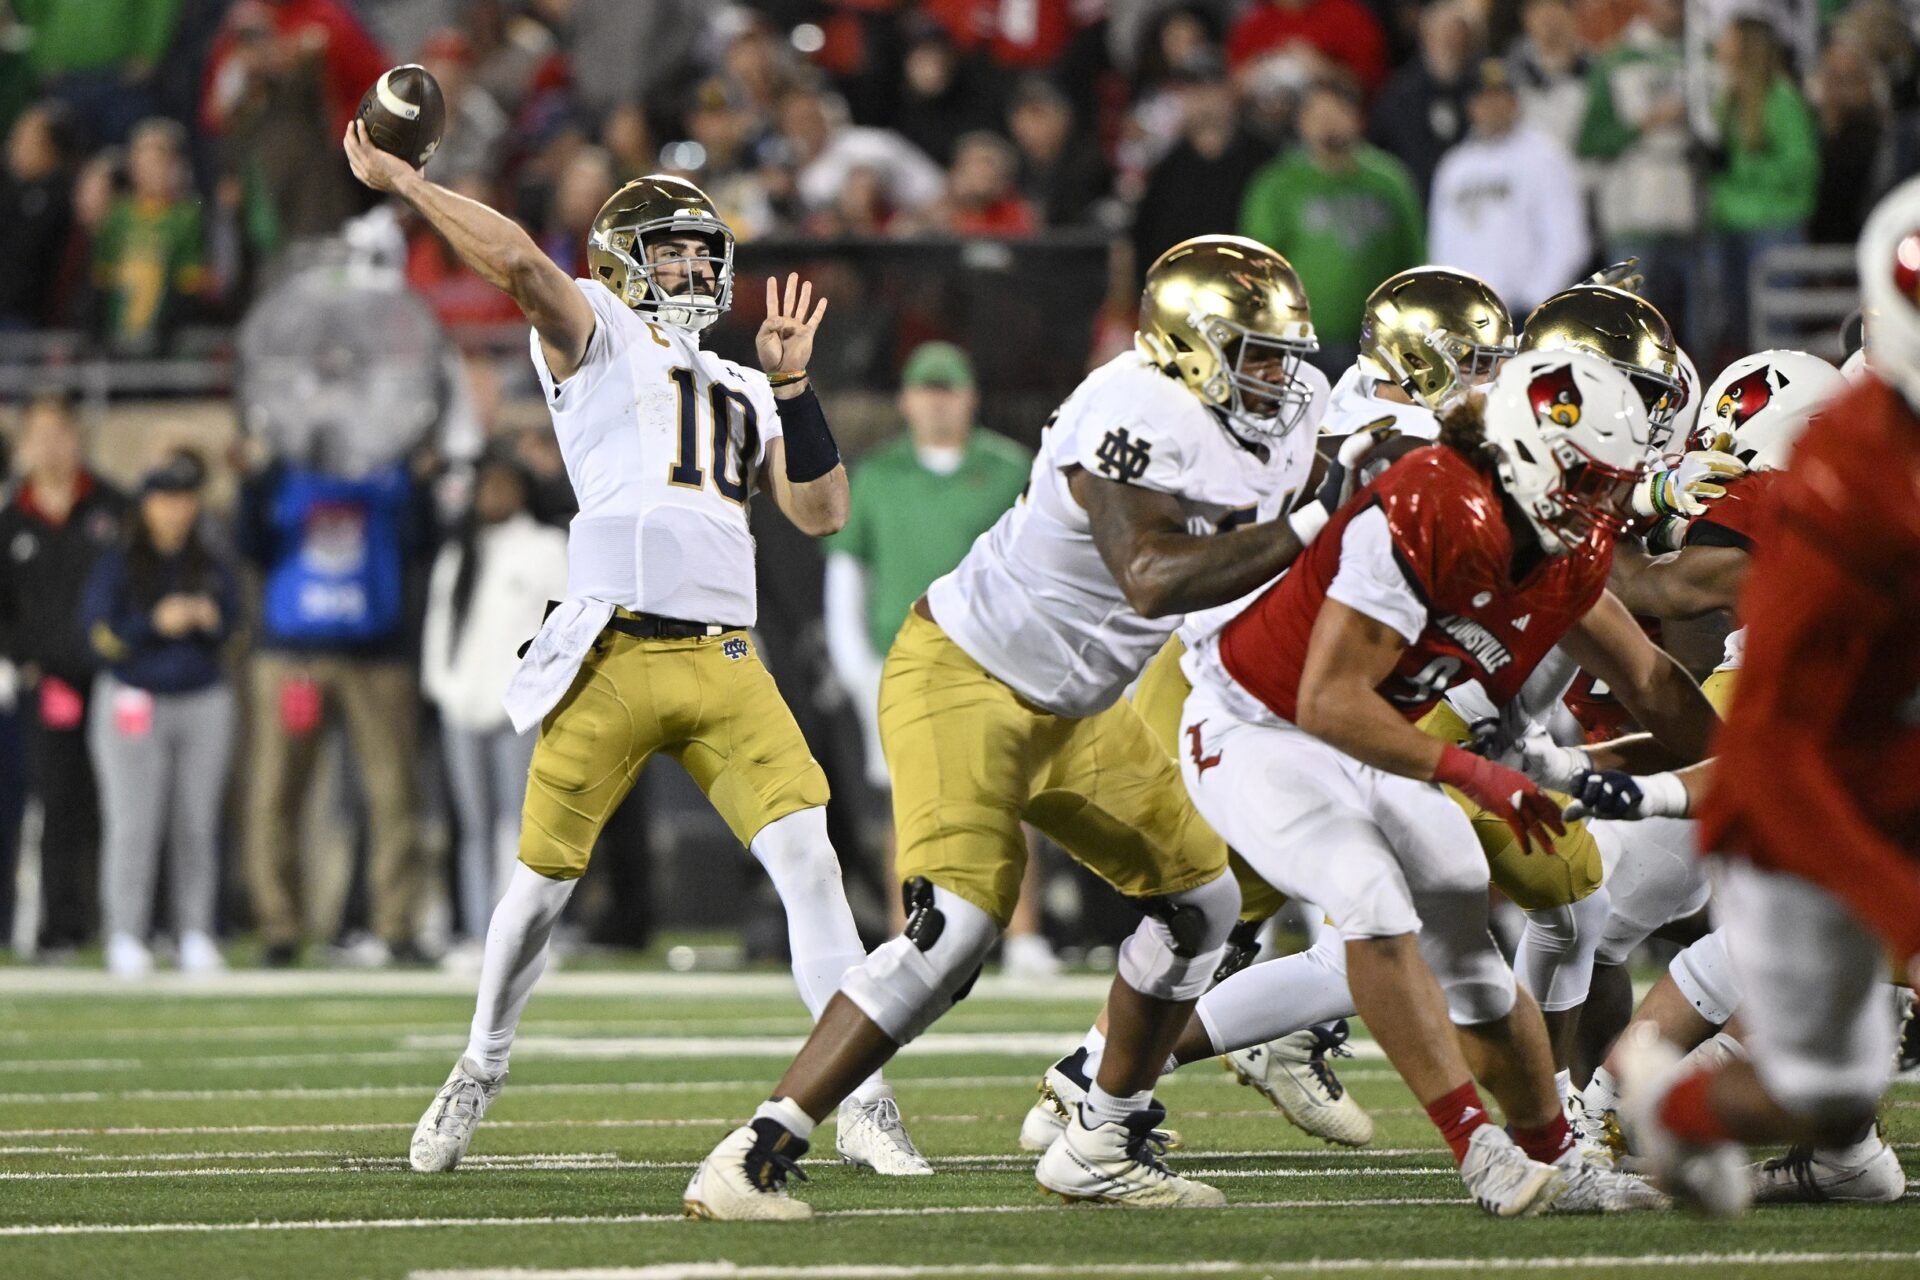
(1034, 604)
(662, 442)
(1355, 406)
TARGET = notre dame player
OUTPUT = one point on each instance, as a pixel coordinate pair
(664, 444)
(1427, 335)
(1162, 486)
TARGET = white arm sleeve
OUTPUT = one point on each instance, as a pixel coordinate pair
(1371, 581)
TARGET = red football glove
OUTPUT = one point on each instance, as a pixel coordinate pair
(1506, 793)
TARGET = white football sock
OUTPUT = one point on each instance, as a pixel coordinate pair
(787, 1113)
(515, 956)
(1563, 1085)
(1602, 1092)
(1102, 1107)
(1279, 997)
(805, 871)
(1096, 1046)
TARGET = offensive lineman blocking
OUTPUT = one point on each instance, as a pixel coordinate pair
(664, 444)
(1001, 701)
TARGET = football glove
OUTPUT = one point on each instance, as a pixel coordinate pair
(1611, 793)
(1507, 794)
(1625, 274)
(1347, 471)
(1685, 489)
(1548, 763)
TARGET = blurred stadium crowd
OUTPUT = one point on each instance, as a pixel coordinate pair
(167, 159)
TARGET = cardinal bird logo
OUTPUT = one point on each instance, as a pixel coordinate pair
(1555, 396)
(1741, 401)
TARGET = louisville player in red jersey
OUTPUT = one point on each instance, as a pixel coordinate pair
(1466, 560)
(1812, 805)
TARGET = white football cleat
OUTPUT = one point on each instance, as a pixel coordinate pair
(1503, 1180)
(744, 1179)
(1595, 1188)
(1806, 1175)
(873, 1137)
(1119, 1163)
(1596, 1134)
(441, 1138)
(1710, 1180)
(1062, 1089)
(1293, 1074)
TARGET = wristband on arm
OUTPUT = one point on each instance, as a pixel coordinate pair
(811, 452)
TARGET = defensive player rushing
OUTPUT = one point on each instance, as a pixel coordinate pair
(1756, 410)
(1000, 701)
(664, 443)
(1411, 367)
(1428, 336)
(1813, 804)
(1469, 559)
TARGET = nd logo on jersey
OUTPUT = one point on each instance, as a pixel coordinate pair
(1122, 457)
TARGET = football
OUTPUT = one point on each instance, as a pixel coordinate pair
(405, 113)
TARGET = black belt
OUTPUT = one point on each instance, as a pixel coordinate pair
(647, 626)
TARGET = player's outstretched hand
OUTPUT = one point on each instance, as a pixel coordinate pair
(1506, 793)
(785, 339)
(371, 165)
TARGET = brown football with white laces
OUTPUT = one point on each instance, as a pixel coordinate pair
(405, 113)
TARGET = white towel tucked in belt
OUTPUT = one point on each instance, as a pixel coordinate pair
(553, 659)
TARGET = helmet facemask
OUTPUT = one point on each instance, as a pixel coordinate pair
(642, 289)
(1242, 387)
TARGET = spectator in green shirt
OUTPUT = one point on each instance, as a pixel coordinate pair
(1763, 189)
(149, 258)
(99, 56)
(918, 503)
(1342, 211)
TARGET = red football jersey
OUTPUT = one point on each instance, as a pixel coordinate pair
(1818, 769)
(1736, 519)
(1731, 521)
(1451, 542)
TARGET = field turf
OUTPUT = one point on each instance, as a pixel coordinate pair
(257, 1126)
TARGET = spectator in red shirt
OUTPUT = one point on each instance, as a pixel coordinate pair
(1344, 31)
(350, 58)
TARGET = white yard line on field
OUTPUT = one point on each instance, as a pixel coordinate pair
(1312, 1266)
(1036, 1045)
(632, 1219)
(343, 1162)
(1083, 988)
(404, 1090)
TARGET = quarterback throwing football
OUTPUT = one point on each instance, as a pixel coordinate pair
(663, 443)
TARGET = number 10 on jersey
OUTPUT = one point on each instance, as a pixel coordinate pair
(722, 403)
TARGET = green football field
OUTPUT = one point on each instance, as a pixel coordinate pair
(257, 1126)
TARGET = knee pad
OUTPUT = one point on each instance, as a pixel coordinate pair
(1177, 948)
(796, 850)
(1704, 974)
(910, 981)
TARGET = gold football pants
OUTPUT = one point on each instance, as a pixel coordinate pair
(971, 760)
(1158, 697)
(1537, 880)
(705, 702)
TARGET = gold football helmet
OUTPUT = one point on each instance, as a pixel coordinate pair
(655, 205)
(1432, 330)
(1621, 328)
(1228, 317)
